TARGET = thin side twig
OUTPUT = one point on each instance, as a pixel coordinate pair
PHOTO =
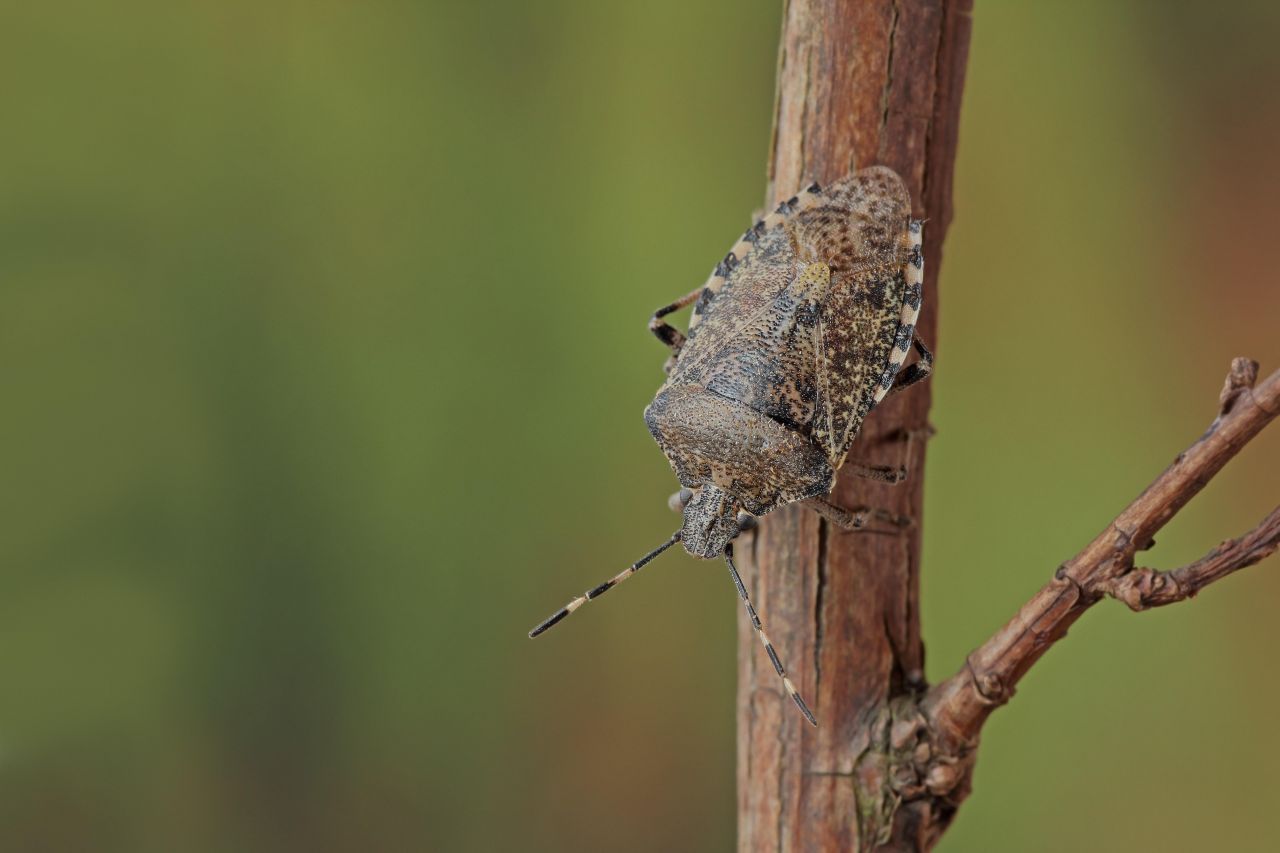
(1143, 589)
(957, 707)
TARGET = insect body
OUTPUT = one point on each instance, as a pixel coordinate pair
(801, 329)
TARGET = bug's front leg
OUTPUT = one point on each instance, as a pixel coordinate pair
(854, 519)
(664, 331)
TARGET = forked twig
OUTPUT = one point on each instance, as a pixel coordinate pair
(957, 708)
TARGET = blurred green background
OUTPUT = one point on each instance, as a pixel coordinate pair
(324, 351)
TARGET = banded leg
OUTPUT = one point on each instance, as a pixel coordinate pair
(853, 519)
(768, 646)
(915, 372)
(663, 331)
(596, 592)
(672, 337)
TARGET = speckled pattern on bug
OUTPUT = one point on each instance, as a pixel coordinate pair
(801, 329)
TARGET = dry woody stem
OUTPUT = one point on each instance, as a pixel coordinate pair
(860, 83)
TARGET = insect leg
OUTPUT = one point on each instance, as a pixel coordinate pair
(915, 372)
(596, 592)
(663, 331)
(768, 646)
(891, 474)
(853, 519)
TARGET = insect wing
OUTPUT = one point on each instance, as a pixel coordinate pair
(860, 230)
(858, 331)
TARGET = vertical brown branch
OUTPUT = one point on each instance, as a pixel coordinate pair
(860, 82)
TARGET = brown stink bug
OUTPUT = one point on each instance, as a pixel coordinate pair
(799, 332)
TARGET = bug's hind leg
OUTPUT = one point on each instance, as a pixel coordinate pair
(854, 519)
(918, 371)
(664, 331)
(891, 474)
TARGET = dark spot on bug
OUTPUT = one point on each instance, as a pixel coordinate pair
(913, 297)
(807, 315)
(873, 295)
(814, 188)
(805, 389)
(704, 299)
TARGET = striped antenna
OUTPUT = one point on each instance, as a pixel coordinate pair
(764, 638)
(596, 592)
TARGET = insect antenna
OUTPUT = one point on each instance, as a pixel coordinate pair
(596, 592)
(764, 638)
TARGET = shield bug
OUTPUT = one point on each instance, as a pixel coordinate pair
(801, 329)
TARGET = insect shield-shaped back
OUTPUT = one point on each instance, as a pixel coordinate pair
(797, 335)
(800, 330)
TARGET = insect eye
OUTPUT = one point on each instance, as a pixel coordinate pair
(680, 500)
